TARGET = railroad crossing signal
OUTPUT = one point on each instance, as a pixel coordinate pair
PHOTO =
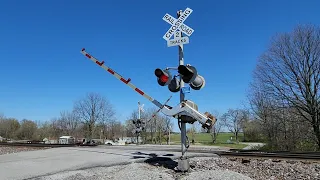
(139, 124)
(163, 76)
(190, 75)
(174, 85)
(187, 73)
(177, 25)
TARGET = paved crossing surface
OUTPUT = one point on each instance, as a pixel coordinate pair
(33, 164)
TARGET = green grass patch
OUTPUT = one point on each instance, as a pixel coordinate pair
(206, 137)
(232, 146)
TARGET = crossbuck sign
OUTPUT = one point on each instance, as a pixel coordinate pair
(141, 107)
(178, 25)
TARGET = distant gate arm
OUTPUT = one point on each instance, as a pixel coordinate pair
(181, 109)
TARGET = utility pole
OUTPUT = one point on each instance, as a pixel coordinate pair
(183, 163)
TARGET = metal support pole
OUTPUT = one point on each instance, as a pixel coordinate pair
(169, 135)
(139, 116)
(183, 163)
(139, 109)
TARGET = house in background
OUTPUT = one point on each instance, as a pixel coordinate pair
(50, 140)
(67, 140)
(131, 140)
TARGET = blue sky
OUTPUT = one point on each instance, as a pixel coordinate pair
(43, 72)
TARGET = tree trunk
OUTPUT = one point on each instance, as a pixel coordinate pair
(151, 128)
(160, 142)
(236, 134)
(155, 130)
(316, 129)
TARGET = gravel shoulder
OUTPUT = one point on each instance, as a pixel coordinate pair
(16, 149)
(213, 168)
(202, 168)
(142, 171)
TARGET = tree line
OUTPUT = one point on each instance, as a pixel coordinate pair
(86, 119)
(284, 95)
(92, 116)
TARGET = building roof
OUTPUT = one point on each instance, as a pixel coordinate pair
(66, 137)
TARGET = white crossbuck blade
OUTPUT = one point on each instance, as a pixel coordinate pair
(181, 109)
(141, 108)
(177, 24)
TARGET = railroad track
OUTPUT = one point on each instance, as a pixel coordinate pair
(236, 153)
(301, 156)
(233, 153)
(44, 145)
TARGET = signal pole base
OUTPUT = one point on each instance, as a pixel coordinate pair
(183, 164)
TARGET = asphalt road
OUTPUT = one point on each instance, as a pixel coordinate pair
(27, 165)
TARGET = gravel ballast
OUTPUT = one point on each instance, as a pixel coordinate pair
(141, 171)
(203, 168)
(260, 169)
(16, 149)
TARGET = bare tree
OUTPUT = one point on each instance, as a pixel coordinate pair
(2, 116)
(154, 124)
(279, 126)
(290, 71)
(233, 120)
(93, 108)
(192, 130)
(69, 122)
(151, 122)
(129, 128)
(45, 130)
(54, 129)
(167, 127)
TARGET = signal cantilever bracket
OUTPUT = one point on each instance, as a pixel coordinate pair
(184, 109)
(181, 109)
(165, 104)
(168, 68)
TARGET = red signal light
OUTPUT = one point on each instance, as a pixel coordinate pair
(161, 75)
(164, 78)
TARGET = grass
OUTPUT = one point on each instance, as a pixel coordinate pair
(205, 139)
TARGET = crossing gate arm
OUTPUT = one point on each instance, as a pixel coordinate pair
(119, 77)
(180, 109)
(154, 114)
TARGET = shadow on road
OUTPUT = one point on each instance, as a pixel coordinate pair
(155, 160)
(162, 161)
